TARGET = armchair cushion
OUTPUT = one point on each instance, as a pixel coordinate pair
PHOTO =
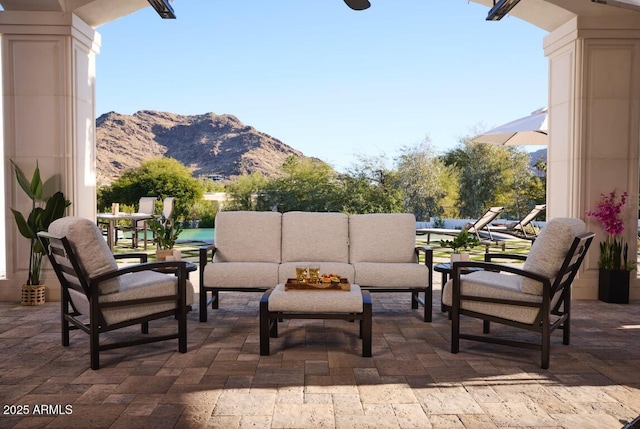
(549, 250)
(248, 237)
(93, 253)
(138, 285)
(494, 285)
(382, 237)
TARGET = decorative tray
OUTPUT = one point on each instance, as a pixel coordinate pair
(343, 285)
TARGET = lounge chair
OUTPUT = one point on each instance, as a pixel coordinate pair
(480, 228)
(519, 228)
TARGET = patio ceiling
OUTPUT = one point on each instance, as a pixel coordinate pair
(546, 14)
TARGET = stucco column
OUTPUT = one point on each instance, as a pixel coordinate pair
(594, 93)
(48, 115)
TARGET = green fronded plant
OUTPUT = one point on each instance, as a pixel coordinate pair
(42, 214)
(165, 232)
(463, 241)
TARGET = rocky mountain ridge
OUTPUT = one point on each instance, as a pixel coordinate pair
(210, 144)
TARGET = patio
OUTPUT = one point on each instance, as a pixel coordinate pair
(316, 376)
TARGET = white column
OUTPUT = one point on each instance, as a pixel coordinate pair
(594, 93)
(48, 115)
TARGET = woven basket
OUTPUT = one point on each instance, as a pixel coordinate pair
(32, 295)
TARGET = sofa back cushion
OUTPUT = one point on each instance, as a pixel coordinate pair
(243, 236)
(92, 251)
(308, 236)
(383, 237)
(549, 250)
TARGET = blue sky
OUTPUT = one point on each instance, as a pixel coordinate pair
(328, 81)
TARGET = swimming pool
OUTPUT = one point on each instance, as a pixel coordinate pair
(205, 235)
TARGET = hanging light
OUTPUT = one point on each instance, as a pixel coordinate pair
(163, 8)
(500, 9)
(358, 4)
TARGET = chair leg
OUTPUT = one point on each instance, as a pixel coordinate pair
(486, 327)
(455, 329)
(94, 346)
(545, 346)
(414, 299)
(428, 305)
(203, 305)
(182, 331)
(65, 323)
(215, 298)
(144, 327)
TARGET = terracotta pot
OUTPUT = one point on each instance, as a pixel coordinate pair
(161, 254)
(455, 257)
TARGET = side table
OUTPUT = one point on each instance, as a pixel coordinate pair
(191, 267)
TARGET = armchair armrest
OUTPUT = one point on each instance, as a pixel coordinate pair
(428, 254)
(203, 253)
(488, 257)
(142, 257)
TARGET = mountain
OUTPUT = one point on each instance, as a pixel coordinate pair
(541, 153)
(210, 144)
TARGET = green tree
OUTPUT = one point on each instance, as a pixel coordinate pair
(306, 185)
(422, 180)
(370, 187)
(243, 191)
(491, 175)
(161, 177)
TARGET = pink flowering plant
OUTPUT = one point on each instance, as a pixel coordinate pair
(614, 252)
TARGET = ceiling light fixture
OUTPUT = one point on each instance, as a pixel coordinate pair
(500, 9)
(358, 4)
(163, 8)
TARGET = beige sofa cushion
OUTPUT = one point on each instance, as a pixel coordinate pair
(92, 251)
(310, 236)
(385, 237)
(287, 270)
(391, 275)
(248, 236)
(549, 250)
(494, 285)
(135, 286)
(241, 274)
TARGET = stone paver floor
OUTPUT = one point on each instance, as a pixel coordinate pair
(316, 377)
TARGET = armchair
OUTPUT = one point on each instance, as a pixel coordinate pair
(99, 297)
(536, 297)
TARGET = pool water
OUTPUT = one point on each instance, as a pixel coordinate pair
(205, 235)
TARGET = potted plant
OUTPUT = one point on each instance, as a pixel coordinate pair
(463, 241)
(39, 218)
(614, 263)
(165, 233)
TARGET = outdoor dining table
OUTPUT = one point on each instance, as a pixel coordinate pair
(112, 220)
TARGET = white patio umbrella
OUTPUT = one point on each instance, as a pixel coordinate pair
(530, 130)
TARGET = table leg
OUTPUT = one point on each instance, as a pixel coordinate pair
(445, 277)
(111, 229)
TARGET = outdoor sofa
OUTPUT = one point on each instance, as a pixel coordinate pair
(255, 251)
